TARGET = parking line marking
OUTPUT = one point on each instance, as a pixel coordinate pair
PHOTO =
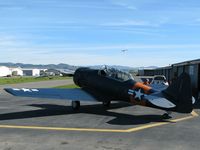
(61, 129)
(193, 114)
(147, 126)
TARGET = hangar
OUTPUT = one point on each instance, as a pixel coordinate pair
(4, 71)
(191, 67)
(31, 72)
(16, 71)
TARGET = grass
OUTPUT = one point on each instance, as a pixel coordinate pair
(14, 80)
(67, 86)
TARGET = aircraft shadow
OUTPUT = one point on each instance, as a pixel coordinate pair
(97, 109)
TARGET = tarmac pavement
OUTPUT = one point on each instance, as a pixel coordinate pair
(42, 124)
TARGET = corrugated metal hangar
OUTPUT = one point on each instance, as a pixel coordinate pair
(191, 67)
(31, 72)
(4, 71)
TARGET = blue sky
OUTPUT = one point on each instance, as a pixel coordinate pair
(91, 32)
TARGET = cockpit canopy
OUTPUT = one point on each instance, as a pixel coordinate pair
(115, 74)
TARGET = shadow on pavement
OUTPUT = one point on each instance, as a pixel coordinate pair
(97, 109)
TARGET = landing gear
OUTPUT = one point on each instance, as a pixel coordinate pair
(106, 103)
(166, 115)
(75, 105)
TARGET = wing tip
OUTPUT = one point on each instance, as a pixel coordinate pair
(8, 90)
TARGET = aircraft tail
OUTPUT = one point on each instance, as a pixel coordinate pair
(180, 93)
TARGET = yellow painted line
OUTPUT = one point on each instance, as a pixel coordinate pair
(61, 129)
(194, 114)
(182, 119)
(147, 126)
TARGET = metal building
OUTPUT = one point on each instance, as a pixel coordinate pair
(31, 72)
(4, 71)
(191, 67)
(16, 71)
(146, 72)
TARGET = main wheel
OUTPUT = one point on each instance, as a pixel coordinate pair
(75, 105)
(166, 116)
(106, 103)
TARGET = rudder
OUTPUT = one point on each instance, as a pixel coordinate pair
(180, 93)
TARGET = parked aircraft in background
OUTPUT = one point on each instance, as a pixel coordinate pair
(159, 79)
(108, 84)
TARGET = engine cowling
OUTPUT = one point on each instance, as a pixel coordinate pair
(81, 76)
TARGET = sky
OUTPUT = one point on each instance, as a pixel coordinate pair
(94, 32)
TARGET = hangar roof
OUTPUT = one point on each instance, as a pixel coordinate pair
(196, 61)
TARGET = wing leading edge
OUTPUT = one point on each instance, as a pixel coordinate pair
(52, 93)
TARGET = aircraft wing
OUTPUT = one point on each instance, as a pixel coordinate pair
(52, 93)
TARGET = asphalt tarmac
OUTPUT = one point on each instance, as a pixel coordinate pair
(40, 124)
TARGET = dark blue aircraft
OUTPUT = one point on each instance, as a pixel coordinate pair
(106, 85)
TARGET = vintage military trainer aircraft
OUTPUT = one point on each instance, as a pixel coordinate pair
(109, 84)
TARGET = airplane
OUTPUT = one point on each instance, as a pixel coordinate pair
(109, 84)
(124, 50)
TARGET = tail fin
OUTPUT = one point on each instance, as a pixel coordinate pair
(180, 93)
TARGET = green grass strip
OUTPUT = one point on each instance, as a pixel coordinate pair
(67, 86)
(14, 80)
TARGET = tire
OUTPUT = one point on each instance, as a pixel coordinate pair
(166, 116)
(76, 105)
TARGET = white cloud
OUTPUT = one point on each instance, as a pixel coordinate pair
(195, 22)
(118, 47)
(15, 50)
(125, 4)
(128, 23)
(9, 41)
(140, 23)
